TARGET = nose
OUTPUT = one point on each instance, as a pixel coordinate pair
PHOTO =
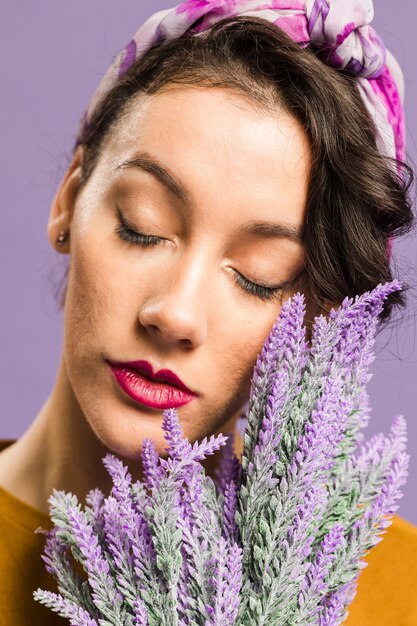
(176, 311)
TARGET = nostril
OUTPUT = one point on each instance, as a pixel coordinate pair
(186, 342)
(172, 335)
(152, 328)
(171, 326)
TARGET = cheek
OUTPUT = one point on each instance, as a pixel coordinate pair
(240, 345)
(232, 360)
(100, 293)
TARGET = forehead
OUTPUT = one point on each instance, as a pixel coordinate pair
(217, 141)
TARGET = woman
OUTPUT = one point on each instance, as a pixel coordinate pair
(212, 177)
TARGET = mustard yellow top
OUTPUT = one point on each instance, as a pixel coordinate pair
(386, 595)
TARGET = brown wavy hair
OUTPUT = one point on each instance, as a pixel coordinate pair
(356, 198)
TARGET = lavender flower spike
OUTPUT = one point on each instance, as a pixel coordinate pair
(64, 608)
(278, 538)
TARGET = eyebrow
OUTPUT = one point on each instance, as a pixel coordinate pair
(148, 163)
(272, 229)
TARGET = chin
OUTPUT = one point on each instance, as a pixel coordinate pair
(124, 431)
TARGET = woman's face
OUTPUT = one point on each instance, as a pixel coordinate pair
(178, 304)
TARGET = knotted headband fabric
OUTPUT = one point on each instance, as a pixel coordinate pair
(339, 28)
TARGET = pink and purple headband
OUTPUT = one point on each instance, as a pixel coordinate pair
(340, 28)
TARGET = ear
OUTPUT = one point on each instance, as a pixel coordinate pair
(62, 207)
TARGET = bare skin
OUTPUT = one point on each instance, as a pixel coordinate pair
(176, 304)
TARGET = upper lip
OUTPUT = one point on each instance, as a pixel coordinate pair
(163, 376)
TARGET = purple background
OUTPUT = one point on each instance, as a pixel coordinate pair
(52, 55)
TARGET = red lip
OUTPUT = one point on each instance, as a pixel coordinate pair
(136, 378)
(161, 376)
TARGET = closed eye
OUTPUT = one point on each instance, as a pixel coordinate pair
(264, 292)
(126, 233)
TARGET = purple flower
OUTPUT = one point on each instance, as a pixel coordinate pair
(65, 608)
(226, 580)
(105, 595)
(281, 534)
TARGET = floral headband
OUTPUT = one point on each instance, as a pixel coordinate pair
(339, 28)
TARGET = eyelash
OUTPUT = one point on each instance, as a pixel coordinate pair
(126, 233)
(261, 291)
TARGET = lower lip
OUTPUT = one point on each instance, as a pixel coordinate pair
(150, 393)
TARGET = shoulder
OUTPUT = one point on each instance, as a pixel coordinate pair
(394, 559)
(5, 443)
(387, 587)
(403, 528)
(400, 528)
(399, 542)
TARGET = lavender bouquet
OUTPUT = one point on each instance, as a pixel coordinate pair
(277, 539)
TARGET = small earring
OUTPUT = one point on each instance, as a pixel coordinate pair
(62, 237)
